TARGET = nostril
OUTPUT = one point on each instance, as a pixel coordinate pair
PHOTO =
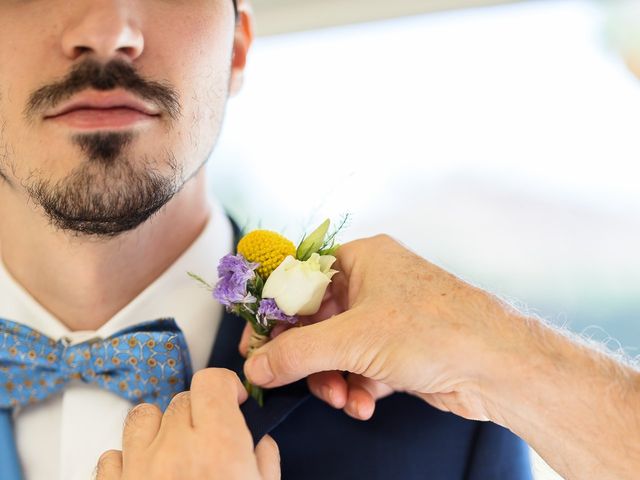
(82, 50)
(100, 35)
(128, 51)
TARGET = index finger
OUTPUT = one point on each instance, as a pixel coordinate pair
(215, 396)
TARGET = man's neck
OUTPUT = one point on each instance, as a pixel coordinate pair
(84, 282)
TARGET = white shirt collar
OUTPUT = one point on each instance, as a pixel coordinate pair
(174, 294)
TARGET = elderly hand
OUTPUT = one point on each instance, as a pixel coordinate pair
(202, 435)
(397, 323)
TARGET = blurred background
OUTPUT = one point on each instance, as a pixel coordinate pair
(498, 139)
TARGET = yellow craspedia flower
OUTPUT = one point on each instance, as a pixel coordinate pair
(267, 248)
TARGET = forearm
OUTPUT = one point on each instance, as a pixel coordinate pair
(577, 407)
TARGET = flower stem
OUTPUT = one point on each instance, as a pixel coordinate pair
(255, 342)
(256, 392)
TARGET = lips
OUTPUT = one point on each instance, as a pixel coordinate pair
(103, 110)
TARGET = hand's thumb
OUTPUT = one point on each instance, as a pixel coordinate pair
(300, 352)
(268, 457)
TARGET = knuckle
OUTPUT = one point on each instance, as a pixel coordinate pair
(200, 378)
(226, 380)
(227, 376)
(107, 459)
(287, 356)
(108, 456)
(384, 239)
(140, 412)
(178, 403)
(213, 378)
(369, 244)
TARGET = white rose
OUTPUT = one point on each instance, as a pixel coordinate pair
(298, 287)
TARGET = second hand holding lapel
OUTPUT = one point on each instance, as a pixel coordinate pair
(278, 403)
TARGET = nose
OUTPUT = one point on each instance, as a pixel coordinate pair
(104, 29)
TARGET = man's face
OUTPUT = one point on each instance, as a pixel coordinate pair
(107, 107)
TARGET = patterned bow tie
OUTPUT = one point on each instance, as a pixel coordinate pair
(146, 363)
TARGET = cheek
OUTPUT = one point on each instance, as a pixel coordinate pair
(200, 63)
(24, 64)
(29, 56)
(14, 131)
(10, 93)
(197, 46)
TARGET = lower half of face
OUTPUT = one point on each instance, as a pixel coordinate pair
(104, 176)
(106, 181)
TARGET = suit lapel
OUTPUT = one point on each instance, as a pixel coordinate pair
(278, 403)
(9, 462)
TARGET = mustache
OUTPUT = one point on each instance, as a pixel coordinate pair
(91, 74)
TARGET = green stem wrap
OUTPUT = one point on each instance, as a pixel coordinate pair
(256, 340)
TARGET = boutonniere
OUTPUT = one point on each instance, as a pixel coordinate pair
(271, 282)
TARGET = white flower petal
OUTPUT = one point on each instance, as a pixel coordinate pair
(299, 287)
(326, 261)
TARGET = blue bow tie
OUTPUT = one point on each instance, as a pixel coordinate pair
(146, 363)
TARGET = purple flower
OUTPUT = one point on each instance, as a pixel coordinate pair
(268, 311)
(237, 267)
(234, 272)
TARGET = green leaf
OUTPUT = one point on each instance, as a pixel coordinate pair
(314, 242)
(330, 250)
(200, 279)
(331, 238)
(258, 284)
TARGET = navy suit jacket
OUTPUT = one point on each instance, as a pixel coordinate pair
(405, 439)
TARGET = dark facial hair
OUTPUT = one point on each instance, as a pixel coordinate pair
(103, 147)
(92, 74)
(110, 193)
(105, 200)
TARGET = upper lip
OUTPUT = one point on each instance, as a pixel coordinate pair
(101, 101)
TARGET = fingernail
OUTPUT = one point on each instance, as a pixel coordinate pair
(327, 394)
(353, 406)
(332, 396)
(363, 412)
(259, 370)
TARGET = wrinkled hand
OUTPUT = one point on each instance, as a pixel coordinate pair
(202, 435)
(396, 323)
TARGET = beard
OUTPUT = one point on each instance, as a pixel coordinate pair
(110, 193)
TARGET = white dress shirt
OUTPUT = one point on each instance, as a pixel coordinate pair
(63, 437)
